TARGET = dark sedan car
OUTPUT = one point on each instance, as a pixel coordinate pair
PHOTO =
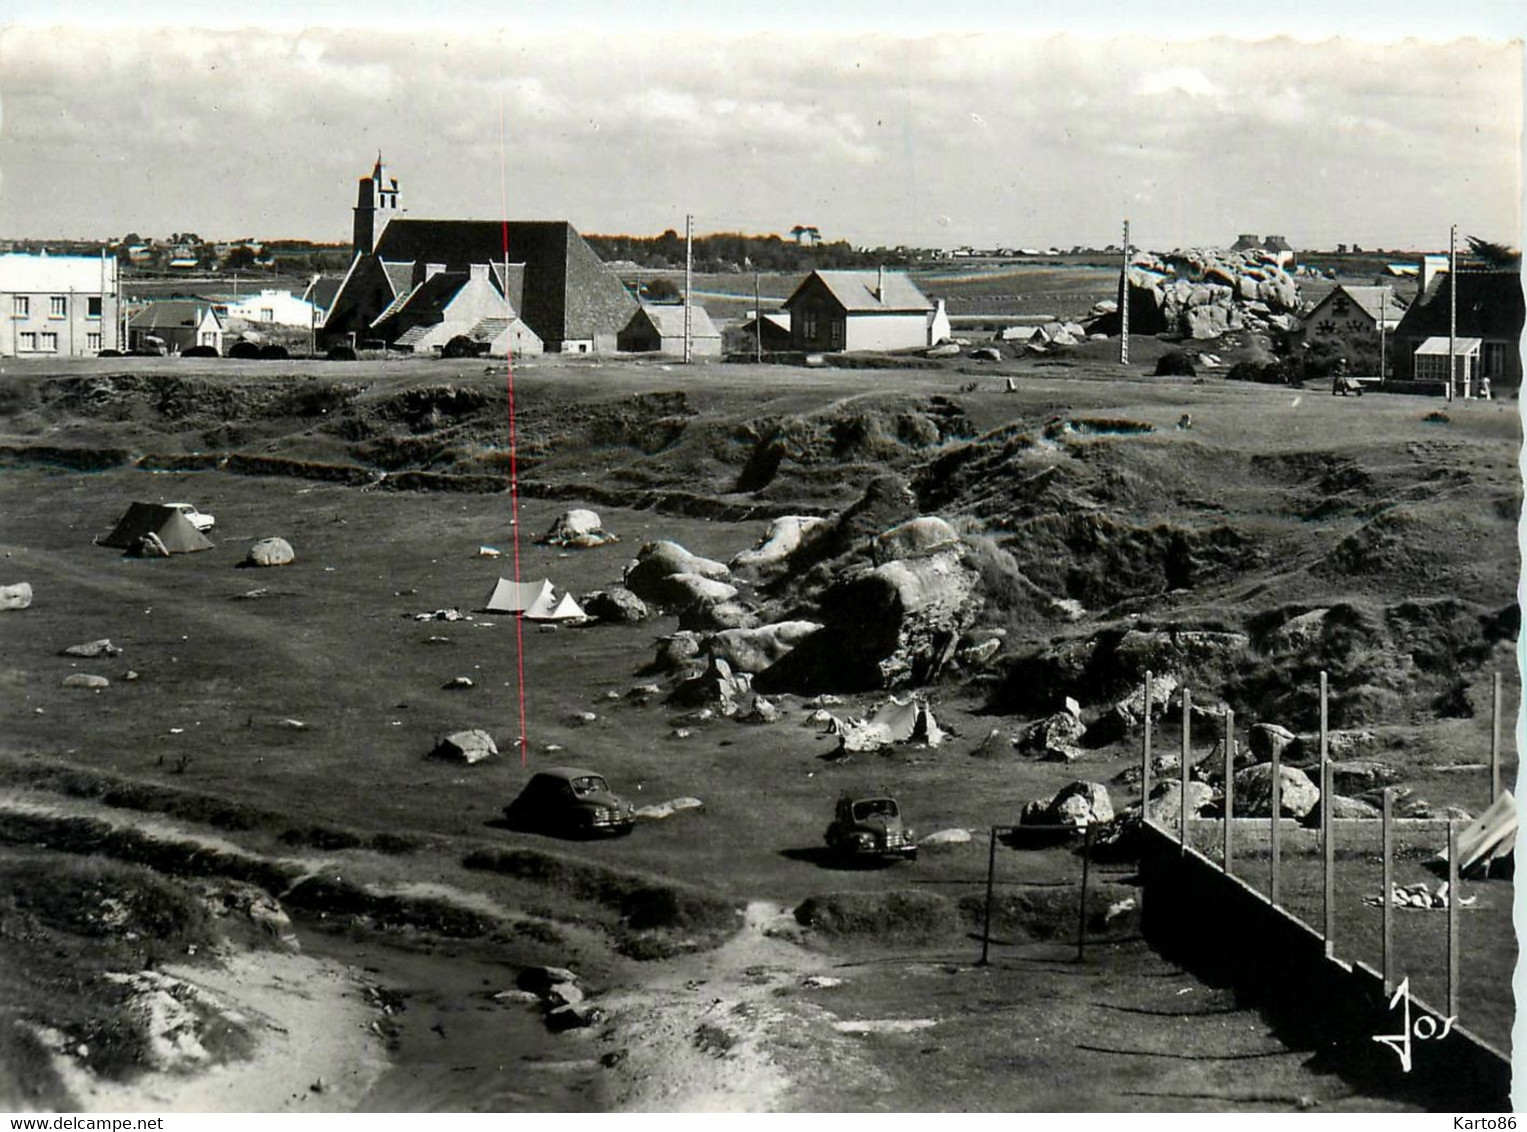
(869, 827)
(570, 802)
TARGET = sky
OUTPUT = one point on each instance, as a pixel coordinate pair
(879, 124)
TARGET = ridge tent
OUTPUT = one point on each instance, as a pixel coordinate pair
(535, 601)
(1487, 845)
(895, 721)
(172, 528)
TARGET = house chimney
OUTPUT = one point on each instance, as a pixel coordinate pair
(880, 284)
(479, 272)
(1431, 267)
(432, 269)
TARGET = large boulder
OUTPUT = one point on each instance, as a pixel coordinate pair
(716, 616)
(1127, 715)
(1056, 737)
(753, 650)
(16, 596)
(784, 537)
(675, 652)
(579, 528)
(1358, 776)
(889, 626)
(1253, 792)
(616, 604)
(1077, 805)
(657, 561)
(916, 538)
(686, 589)
(471, 746)
(1343, 809)
(271, 552)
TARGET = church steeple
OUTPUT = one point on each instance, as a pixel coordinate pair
(376, 202)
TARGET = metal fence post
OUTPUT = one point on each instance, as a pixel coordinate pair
(1275, 832)
(991, 869)
(1229, 781)
(1187, 728)
(1452, 919)
(1081, 916)
(1387, 842)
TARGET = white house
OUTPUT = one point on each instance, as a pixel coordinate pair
(859, 310)
(279, 308)
(58, 306)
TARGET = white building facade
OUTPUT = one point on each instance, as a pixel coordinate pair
(59, 306)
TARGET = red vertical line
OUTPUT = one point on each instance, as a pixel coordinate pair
(514, 466)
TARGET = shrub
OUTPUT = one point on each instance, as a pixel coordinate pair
(463, 347)
(245, 350)
(341, 354)
(272, 352)
(201, 352)
(1174, 363)
(109, 354)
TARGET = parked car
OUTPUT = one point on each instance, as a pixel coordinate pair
(868, 826)
(200, 520)
(569, 801)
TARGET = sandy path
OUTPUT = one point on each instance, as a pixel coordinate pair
(709, 1033)
(310, 1021)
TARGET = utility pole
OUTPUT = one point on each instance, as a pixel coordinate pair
(1452, 308)
(1124, 302)
(689, 277)
(757, 321)
(1383, 314)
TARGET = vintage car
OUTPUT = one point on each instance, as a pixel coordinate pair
(199, 519)
(867, 826)
(569, 801)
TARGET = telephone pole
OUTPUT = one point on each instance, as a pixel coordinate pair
(1124, 302)
(689, 276)
(757, 321)
(1452, 309)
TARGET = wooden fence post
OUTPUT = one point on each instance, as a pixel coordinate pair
(1187, 728)
(1229, 783)
(1387, 842)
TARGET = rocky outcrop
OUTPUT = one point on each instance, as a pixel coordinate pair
(647, 576)
(1056, 737)
(1077, 804)
(616, 604)
(717, 688)
(889, 626)
(578, 528)
(784, 537)
(1202, 293)
(916, 538)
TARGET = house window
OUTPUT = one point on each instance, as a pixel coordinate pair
(1494, 365)
(58, 307)
(269, 315)
(93, 306)
(809, 324)
(209, 338)
(21, 306)
(93, 343)
(27, 342)
(837, 333)
(49, 342)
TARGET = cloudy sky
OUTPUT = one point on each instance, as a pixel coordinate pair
(876, 128)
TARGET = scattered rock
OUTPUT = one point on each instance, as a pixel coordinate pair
(986, 354)
(16, 596)
(718, 687)
(1056, 737)
(675, 652)
(578, 528)
(576, 1017)
(753, 650)
(821, 982)
(995, 745)
(149, 546)
(657, 561)
(539, 980)
(103, 647)
(471, 746)
(1165, 807)
(459, 682)
(784, 537)
(946, 837)
(83, 680)
(1267, 739)
(1360, 775)
(760, 711)
(271, 552)
(582, 718)
(1342, 807)
(946, 350)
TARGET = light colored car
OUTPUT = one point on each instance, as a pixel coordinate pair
(200, 520)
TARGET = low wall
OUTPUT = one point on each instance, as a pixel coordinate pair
(1228, 933)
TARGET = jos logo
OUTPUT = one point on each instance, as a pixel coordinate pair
(1426, 1028)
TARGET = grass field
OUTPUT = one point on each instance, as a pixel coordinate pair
(1287, 501)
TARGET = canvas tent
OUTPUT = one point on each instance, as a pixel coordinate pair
(172, 528)
(536, 601)
(1487, 845)
(895, 721)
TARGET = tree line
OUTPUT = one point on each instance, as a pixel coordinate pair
(723, 252)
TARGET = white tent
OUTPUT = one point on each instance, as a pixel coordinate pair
(1489, 838)
(536, 601)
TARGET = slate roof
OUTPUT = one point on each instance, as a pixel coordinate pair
(1489, 306)
(168, 313)
(855, 291)
(1373, 301)
(566, 292)
(668, 320)
(321, 291)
